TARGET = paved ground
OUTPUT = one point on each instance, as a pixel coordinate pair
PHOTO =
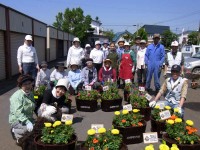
(83, 120)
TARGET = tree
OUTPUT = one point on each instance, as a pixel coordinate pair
(110, 34)
(74, 22)
(167, 38)
(142, 33)
(193, 38)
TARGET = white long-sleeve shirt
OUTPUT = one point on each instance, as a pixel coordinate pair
(42, 77)
(26, 54)
(75, 54)
(140, 58)
(97, 56)
(55, 75)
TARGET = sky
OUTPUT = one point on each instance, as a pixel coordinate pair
(119, 15)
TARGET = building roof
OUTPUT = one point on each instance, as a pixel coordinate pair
(119, 34)
(151, 29)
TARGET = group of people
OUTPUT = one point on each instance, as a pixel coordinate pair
(93, 68)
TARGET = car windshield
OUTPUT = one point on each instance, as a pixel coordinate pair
(197, 55)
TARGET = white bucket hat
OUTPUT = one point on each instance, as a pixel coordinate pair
(74, 63)
(174, 43)
(63, 82)
(28, 37)
(126, 44)
(97, 42)
(87, 45)
(76, 39)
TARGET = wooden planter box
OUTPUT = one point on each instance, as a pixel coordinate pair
(123, 147)
(158, 127)
(111, 105)
(169, 142)
(86, 105)
(132, 135)
(42, 146)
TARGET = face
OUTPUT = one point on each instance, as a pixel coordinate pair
(89, 65)
(27, 86)
(44, 67)
(174, 48)
(107, 64)
(175, 75)
(76, 44)
(74, 67)
(112, 47)
(97, 46)
(60, 91)
(126, 47)
(105, 45)
(121, 44)
(28, 42)
(142, 45)
(137, 42)
(156, 40)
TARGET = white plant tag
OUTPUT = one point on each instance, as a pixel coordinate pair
(148, 97)
(66, 117)
(88, 88)
(105, 88)
(141, 88)
(128, 107)
(151, 137)
(165, 114)
(97, 126)
(128, 81)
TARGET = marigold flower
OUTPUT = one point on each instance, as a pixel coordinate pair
(124, 112)
(178, 120)
(190, 122)
(117, 113)
(69, 122)
(52, 131)
(95, 141)
(115, 131)
(170, 121)
(136, 110)
(140, 124)
(174, 148)
(91, 132)
(167, 107)
(47, 124)
(149, 147)
(174, 145)
(163, 147)
(101, 130)
(176, 110)
(173, 117)
(157, 107)
(123, 120)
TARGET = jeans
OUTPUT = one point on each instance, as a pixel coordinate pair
(141, 76)
(29, 68)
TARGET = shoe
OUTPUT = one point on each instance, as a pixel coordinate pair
(12, 133)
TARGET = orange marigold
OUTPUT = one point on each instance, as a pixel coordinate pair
(95, 141)
(140, 124)
(123, 120)
(173, 117)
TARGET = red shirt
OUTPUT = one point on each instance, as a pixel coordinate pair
(104, 69)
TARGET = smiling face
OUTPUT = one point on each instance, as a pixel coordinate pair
(60, 91)
(121, 44)
(28, 42)
(76, 44)
(27, 86)
(175, 75)
(98, 46)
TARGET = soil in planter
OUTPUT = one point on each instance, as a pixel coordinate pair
(158, 127)
(69, 146)
(169, 142)
(132, 135)
(111, 105)
(86, 105)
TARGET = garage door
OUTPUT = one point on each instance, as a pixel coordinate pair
(39, 44)
(65, 48)
(2, 57)
(16, 41)
(52, 49)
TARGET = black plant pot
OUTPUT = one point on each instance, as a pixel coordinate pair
(145, 112)
(158, 127)
(86, 105)
(111, 105)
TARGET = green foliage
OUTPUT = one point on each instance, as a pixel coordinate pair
(112, 93)
(193, 38)
(167, 38)
(109, 33)
(88, 95)
(40, 90)
(137, 99)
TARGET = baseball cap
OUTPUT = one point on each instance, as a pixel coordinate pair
(176, 68)
(156, 35)
(28, 38)
(174, 43)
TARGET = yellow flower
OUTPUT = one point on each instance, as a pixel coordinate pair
(177, 120)
(69, 122)
(176, 110)
(149, 147)
(174, 145)
(170, 121)
(115, 131)
(101, 130)
(136, 110)
(56, 123)
(157, 107)
(117, 113)
(52, 131)
(124, 112)
(174, 148)
(167, 107)
(91, 132)
(163, 147)
(47, 124)
(190, 122)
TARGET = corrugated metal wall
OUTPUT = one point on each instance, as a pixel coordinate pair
(39, 44)
(2, 56)
(52, 49)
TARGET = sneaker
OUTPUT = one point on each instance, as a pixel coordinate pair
(12, 133)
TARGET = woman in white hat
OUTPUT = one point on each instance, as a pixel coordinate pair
(75, 52)
(54, 98)
(97, 56)
(74, 77)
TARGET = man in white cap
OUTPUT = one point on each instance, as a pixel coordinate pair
(97, 56)
(173, 58)
(75, 53)
(27, 58)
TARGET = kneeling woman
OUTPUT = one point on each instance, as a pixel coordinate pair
(22, 107)
(54, 98)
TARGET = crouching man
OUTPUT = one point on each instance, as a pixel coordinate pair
(175, 89)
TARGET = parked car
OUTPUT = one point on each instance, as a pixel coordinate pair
(192, 64)
(190, 50)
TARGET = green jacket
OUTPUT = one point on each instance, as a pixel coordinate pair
(21, 107)
(114, 58)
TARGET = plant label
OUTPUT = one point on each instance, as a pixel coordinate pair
(141, 88)
(165, 114)
(148, 96)
(66, 117)
(97, 126)
(88, 88)
(105, 88)
(128, 107)
(151, 137)
(128, 81)
(35, 97)
(161, 105)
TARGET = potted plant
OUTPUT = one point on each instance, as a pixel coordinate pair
(138, 101)
(104, 140)
(182, 133)
(162, 146)
(56, 136)
(131, 125)
(87, 100)
(110, 99)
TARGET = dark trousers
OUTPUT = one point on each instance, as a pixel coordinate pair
(29, 68)
(98, 66)
(141, 76)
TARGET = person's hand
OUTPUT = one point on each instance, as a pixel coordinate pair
(38, 68)
(20, 69)
(51, 110)
(179, 109)
(29, 126)
(152, 103)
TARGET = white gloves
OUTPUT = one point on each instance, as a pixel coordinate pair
(29, 126)
(179, 109)
(152, 103)
(50, 110)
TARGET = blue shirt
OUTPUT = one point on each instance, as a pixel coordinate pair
(74, 77)
(85, 77)
(120, 51)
